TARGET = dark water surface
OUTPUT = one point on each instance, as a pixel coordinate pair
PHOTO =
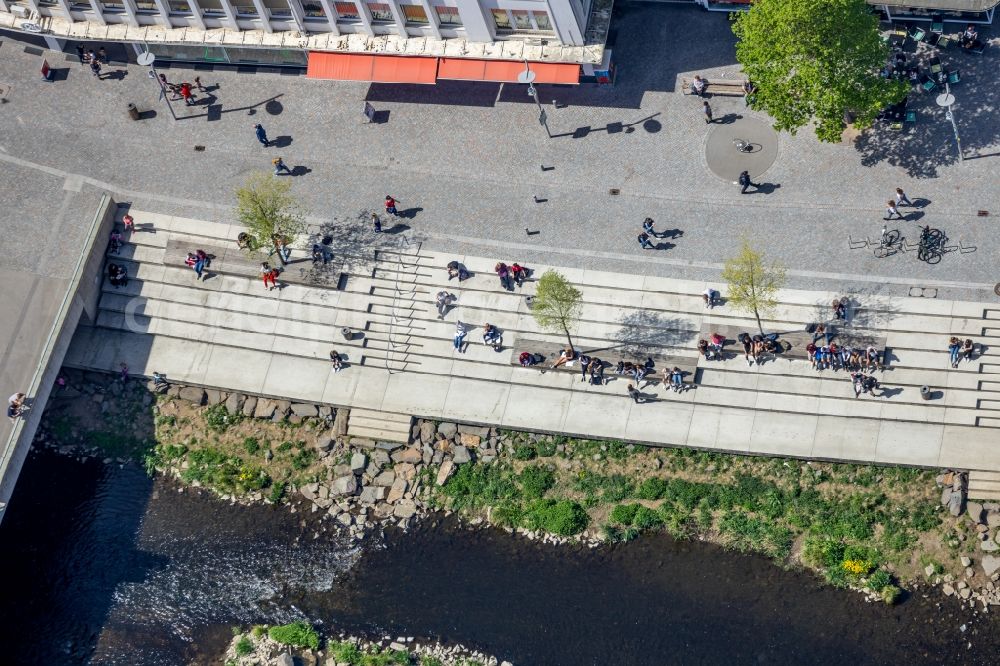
(104, 566)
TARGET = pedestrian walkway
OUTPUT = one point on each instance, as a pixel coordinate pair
(229, 332)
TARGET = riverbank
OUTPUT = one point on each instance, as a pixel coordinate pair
(877, 529)
(300, 643)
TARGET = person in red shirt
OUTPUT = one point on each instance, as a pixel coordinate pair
(390, 205)
(186, 94)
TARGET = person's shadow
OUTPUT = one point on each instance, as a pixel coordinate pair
(408, 213)
(280, 142)
(300, 171)
(764, 188)
(664, 246)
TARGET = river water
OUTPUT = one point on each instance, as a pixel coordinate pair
(103, 565)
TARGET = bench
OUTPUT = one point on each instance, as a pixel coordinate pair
(799, 339)
(231, 260)
(609, 355)
(730, 87)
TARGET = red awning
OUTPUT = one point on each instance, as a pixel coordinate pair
(416, 69)
(380, 69)
(505, 71)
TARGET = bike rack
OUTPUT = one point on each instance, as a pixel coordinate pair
(857, 244)
(965, 249)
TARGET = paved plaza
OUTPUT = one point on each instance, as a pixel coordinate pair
(466, 159)
(229, 332)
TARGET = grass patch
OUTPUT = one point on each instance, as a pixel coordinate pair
(296, 634)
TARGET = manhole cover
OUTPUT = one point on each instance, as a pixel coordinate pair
(983, 213)
(996, 289)
(614, 191)
(199, 149)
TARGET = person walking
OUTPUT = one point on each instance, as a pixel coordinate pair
(901, 197)
(281, 248)
(268, 274)
(377, 225)
(647, 226)
(390, 206)
(261, 135)
(890, 210)
(279, 167)
(708, 112)
(95, 68)
(644, 241)
(633, 393)
(745, 182)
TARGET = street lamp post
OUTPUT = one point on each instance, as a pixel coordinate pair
(146, 59)
(946, 100)
(528, 76)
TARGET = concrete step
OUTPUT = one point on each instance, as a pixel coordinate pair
(378, 434)
(984, 485)
(403, 428)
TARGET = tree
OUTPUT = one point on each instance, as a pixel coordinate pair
(752, 283)
(815, 60)
(557, 304)
(265, 208)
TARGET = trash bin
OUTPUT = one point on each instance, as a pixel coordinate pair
(347, 333)
(133, 112)
(925, 392)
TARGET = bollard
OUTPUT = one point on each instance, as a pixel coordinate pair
(925, 392)
(133, 112)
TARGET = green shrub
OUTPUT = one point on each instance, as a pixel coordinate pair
(890, 594)
(652, 488)
(251, 445)
(427, 660)
(277, 492)
(346, 653)
(244, 646)
(536, 480)
(745, 532)
(645, 518)
(879, 579)
(623, 514)
(563, 517)
(258, 631)
(474, 486)
(296, 634)
(616, 488)
(546, 448)
(302, 459)
(507, 514)
(284, 446)
(525, 452)
(218, 419)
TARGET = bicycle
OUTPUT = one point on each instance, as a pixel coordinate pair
(743, 146)
(930, 247)
(887, 243)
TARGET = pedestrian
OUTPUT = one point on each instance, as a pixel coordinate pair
(711, 297)
(281, 248)
(376, 223)
(644, 241)
(633, 393)
(268, 274)
(261, 135)
(129, 223)
(647, 226)
(745, 182)
(890, 210)
(708, 112)
(460, 331)
(102, 56)
(336, 365)
(95, 68)
(197, 84)
(279, 167)
(443, 300)
(857, 381)
(81, 51)
(187, 94)
(390, 206)
(319, 254)
(954, 348)
(901, 197)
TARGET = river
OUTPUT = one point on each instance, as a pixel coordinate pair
(105, 566)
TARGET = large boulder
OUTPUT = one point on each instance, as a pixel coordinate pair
(310, 491)
(955, 503)
(398, 489)
(250, 405)
(193, 394)
(990, 564)
(386, 478)
(461, 455)
(447, 467)
(213, 397)
(427, 430)
(234, 403)
(264, 408)
(340, 422)
(371, 494)
(284, 659)
(410, 454)
(345, 485)
(447, 430)
(975, 511)
(305, 410)
(404, 509)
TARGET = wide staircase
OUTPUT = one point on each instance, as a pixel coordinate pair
(379, 426)
(401, 359)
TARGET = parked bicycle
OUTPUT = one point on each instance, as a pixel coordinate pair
(931, 246)
(889, 243)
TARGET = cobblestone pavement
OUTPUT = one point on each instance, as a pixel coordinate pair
(466, 160)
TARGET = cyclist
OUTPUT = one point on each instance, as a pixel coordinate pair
(15, 406)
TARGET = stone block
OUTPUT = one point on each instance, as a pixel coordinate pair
(427, 430)
(405, 470)
(388, 446)
(371, 494)
(478, 431)
(445, 471)
(470, 441)
(344, 485)
(461, 455)
(447, 430)
(398, 489)
(234, 403)
(309, 491)
(975, 511)
(193, 394)
(340, 421)
(362, 443)
(305, 410)
(385, 479)
(250, 405)
(264, 409)
(404, 509)
(410, 454)
(358, 462)
(213, 397)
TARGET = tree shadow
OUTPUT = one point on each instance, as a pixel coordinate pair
(923, 147)
(644, 332)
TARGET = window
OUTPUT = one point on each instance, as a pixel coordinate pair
(179, 7)
(522, 21)
(347, 11)
(542, 21)
(380, 12)
(414, 14)
(146, 6)
(448, 15)
(502, 19)
(246, 10)
(113, 6)
(313, 9)
(279, 12)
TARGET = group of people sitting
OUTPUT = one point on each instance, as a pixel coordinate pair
(118, 275)
(756, 346)
(510, 275)
(848, 358)
(959, 350)
(712, 349)
(592, 368)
